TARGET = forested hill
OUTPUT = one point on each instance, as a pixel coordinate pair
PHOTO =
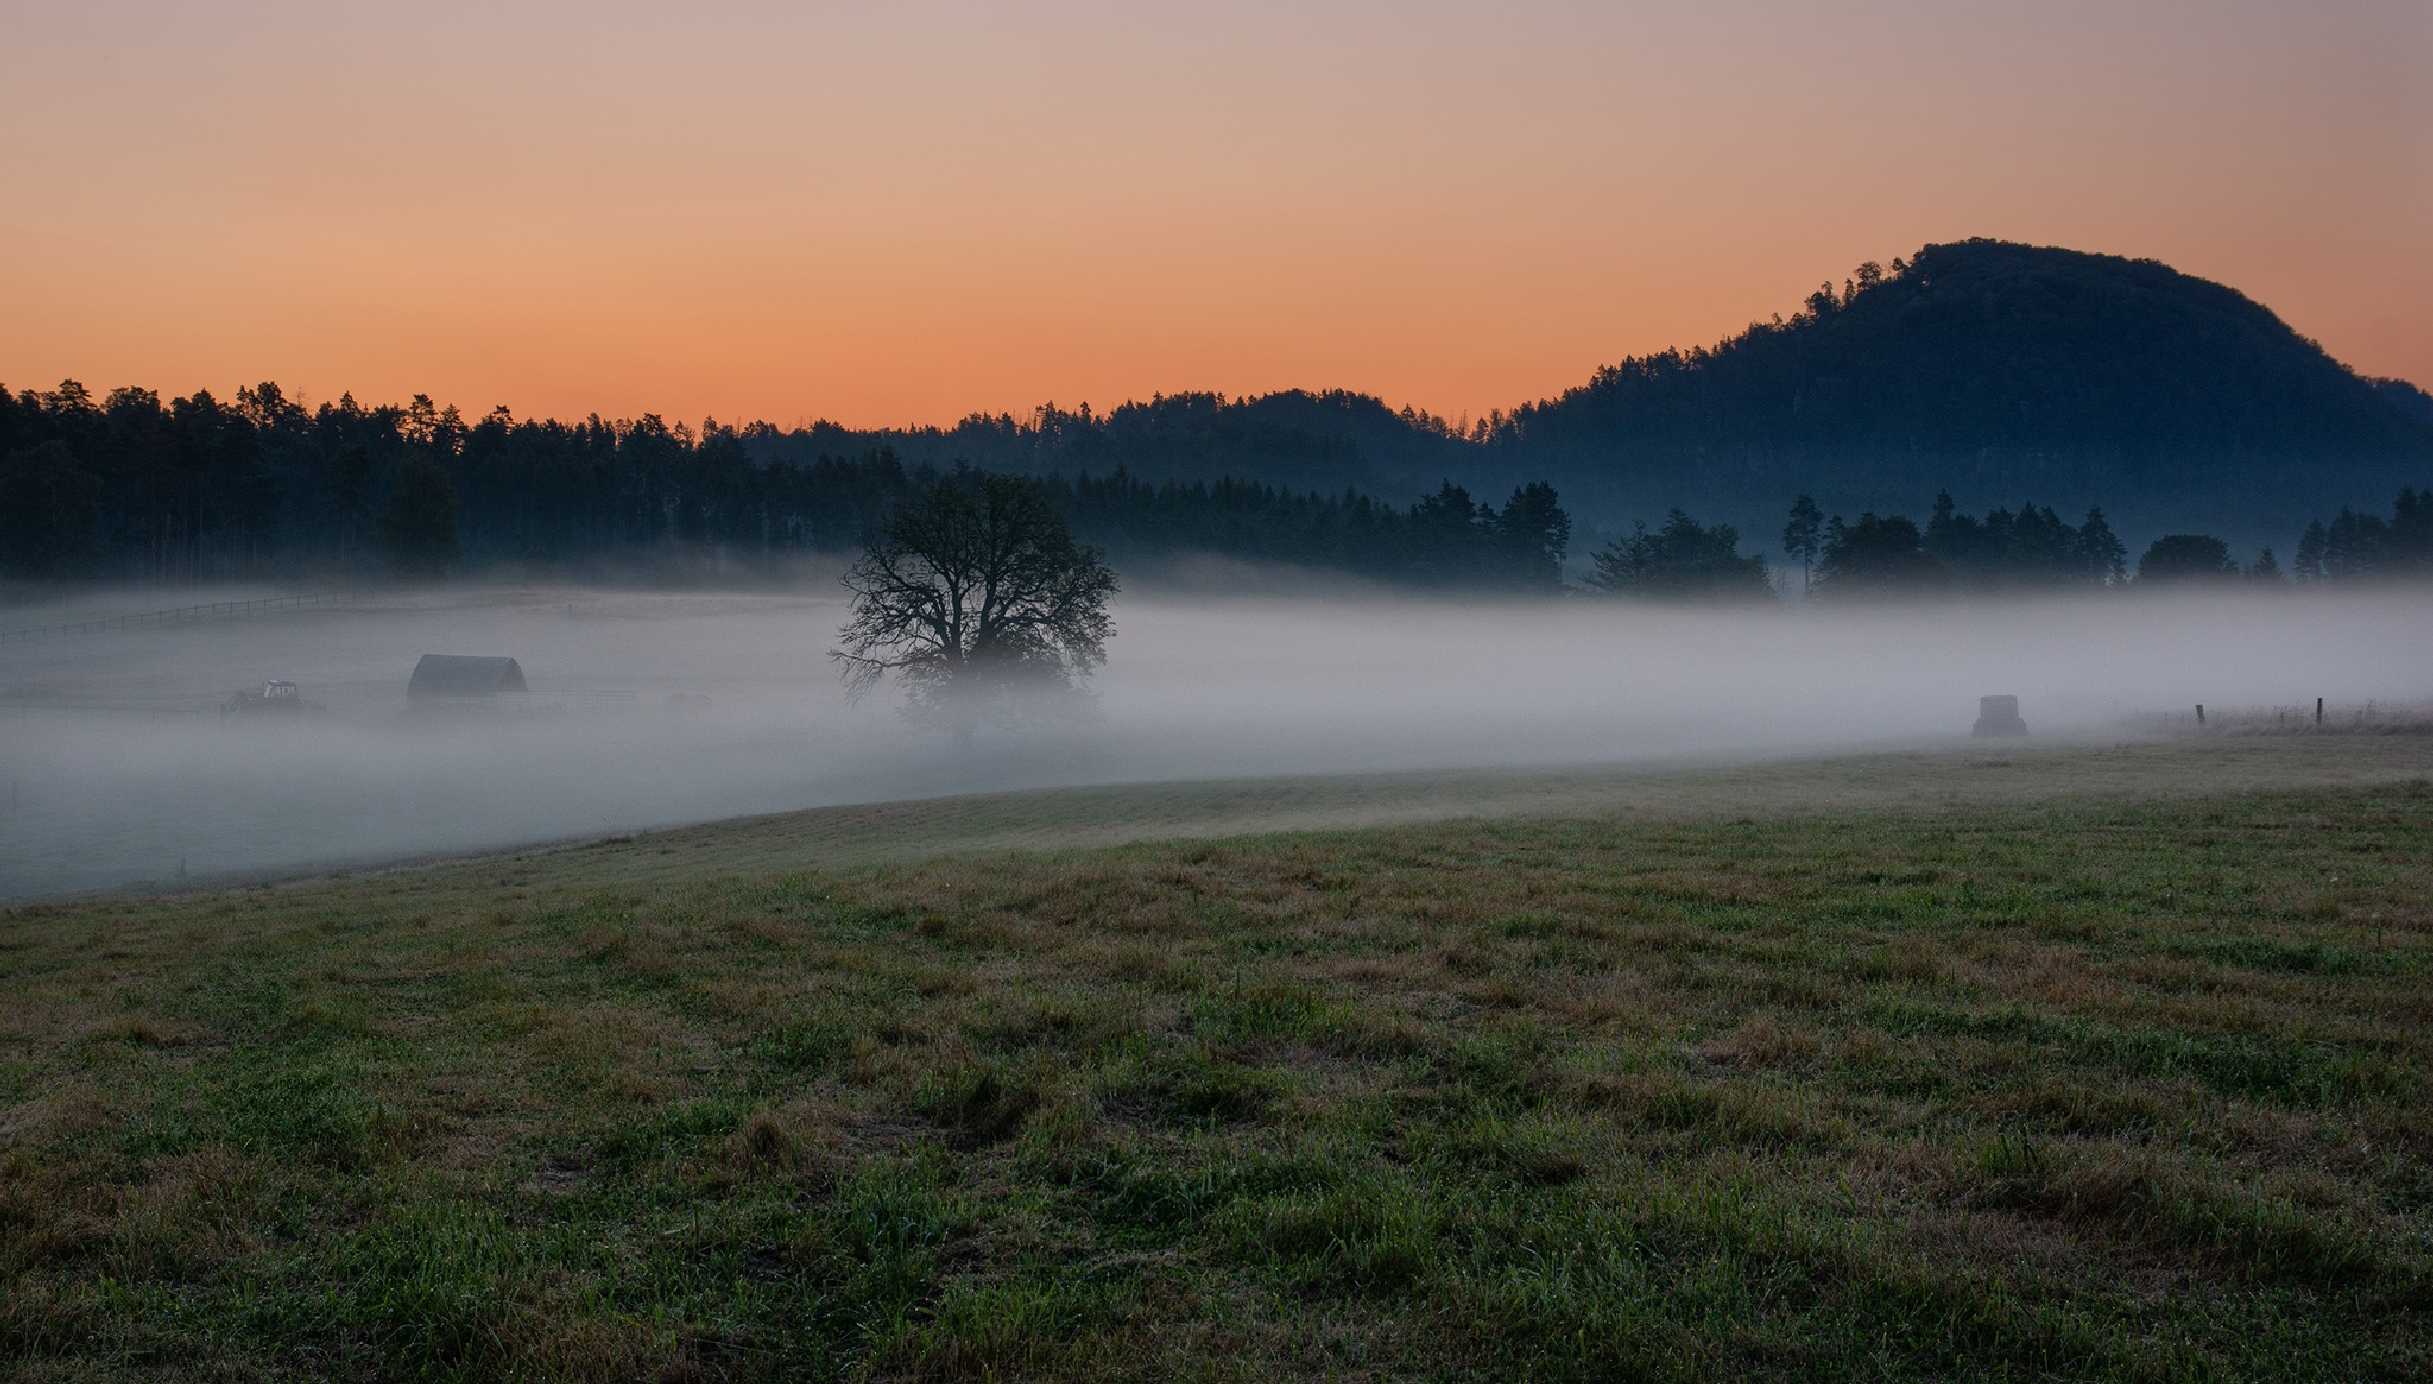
(1335, 440)
(1986, 345)
(2002, 375)
(2001, 372)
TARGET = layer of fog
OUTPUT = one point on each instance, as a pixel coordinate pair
(117, 768)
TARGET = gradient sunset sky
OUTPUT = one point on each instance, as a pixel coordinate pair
(905, 212)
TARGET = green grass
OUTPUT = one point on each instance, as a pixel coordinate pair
(1065, 818)
(2124, 1077)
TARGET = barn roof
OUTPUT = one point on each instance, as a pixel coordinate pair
(464, 675)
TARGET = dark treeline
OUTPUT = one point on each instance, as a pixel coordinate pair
(1984, 369)
(1295, 439)
(192, 489)
(1446, 540)
(2357, 547)
(134, 487)
(2032, 549)
(2027, 549)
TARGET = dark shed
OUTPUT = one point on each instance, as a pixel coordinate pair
(463, 675)
(1999, 716)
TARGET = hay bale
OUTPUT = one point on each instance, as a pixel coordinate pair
(1998, 715)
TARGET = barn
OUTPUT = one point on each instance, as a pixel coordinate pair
(442, 677)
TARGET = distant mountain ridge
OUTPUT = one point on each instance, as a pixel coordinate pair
(2002, 372)
(1984, 345)
(2004, 375)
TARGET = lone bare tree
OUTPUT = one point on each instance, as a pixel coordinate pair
(974, 594)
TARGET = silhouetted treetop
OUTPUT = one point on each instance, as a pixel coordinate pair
(2179, 558)
(975, 591)
(1683, 560)
(2361, 547)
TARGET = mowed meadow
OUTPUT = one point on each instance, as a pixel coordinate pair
(2118, 1072)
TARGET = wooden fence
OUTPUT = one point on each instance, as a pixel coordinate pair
(179, 615)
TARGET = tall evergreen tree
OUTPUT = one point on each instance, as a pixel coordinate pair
(2309, 564)
(1532, 534)
(2101, 554)
(1801, 537)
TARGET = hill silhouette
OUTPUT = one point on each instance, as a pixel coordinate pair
(1997, 371)
(1986, 344)
(2001, 372)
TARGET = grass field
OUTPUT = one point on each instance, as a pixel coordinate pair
(2101, 1063)
(1068, 818)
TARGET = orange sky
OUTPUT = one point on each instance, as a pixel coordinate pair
(886, 213)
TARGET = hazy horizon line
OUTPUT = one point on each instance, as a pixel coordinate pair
(1454, 425)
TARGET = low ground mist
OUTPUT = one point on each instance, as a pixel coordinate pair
(118, 768)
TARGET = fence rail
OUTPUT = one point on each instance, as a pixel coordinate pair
(177, 615)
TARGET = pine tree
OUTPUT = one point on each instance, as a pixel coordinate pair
(2309, 566)
(1802, 537)
(2105, 557)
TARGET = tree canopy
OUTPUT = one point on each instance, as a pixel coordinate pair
(2030, 549)
(975, 593)
(1683, 560)
(1880, 555)
(2178, 558)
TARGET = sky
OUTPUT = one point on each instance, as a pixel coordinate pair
(906, 212)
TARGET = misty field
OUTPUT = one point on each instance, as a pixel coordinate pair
(654, 709)
(1873, 1067)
